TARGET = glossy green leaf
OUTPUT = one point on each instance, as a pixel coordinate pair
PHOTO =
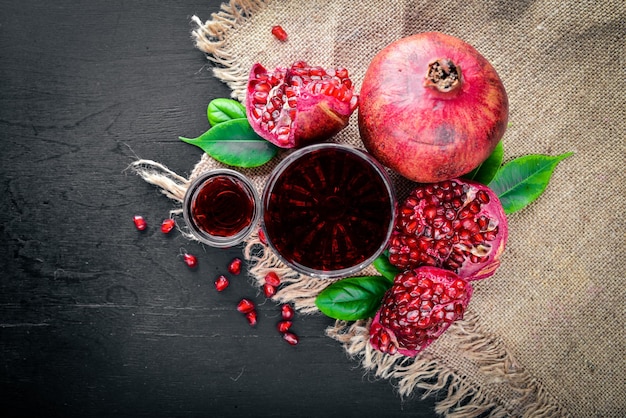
(521, 181)
(235, 143)
(353, 298)
(485, 172)
(384, 267)
(222, 110)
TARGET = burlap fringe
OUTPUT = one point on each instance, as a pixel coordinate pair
(431, 374)
(209, 37)
(171, 184)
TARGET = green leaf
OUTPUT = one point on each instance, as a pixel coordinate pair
(485, 172)
(521, 181)
(353, 298)
(384, 267)
(235, 143)
(223, 110)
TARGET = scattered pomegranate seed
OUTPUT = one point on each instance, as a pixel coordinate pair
(283, 326)
(291, 338)
(245, 306)
(262, 237)
(272, 278)
(190, 260)
(221, 283)
(140, 222)
(279, 33)
(287, 312)
(251, 317)
(167, 225)
(235, 266)
(269, 290)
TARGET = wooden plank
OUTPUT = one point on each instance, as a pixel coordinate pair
(96, 318)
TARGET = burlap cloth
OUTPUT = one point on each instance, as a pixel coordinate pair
(545, 335)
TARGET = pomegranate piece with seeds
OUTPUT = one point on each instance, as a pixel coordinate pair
(299, 105)
(279, 33)
(454, 224)
(235, 266)
(140, 222)
(418, 308)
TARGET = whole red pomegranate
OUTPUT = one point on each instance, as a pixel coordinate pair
(431, 107)
(454, 224)
(418, 308)
(299, 105)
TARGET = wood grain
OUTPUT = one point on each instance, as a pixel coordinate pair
(96, 318)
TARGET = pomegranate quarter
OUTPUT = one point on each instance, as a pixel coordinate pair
(299, 105)
(456, 225)
(431, 107)
(419, 307)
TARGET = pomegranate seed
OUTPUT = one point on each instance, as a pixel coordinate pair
(235, 266)
(269, 290)
(287, 312)
(190, 260)
(279, 33)
(283, 326)
(262, 86)
(167, 225)
(257, 113)
(221, 283)
(341, 72)
(251, 317)
(245, 306)
(272, 279)
(262, 237)
(291, 338)
(140, 222)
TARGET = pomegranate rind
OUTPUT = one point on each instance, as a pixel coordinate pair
(420, 132)
(407, 336)
(318, 116)
(416, 242)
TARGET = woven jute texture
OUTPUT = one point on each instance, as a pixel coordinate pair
(545, 335)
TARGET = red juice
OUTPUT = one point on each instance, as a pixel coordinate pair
(221, 207)
(328, 209)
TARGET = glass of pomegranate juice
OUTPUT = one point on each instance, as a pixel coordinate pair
(221, 208)
(328, 210)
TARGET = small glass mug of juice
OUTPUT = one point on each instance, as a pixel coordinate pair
(328, 210)
(221, 208)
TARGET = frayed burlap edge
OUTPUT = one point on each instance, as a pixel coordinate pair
(209, 37)
(172, 185)
(431, 374)
(428, 373)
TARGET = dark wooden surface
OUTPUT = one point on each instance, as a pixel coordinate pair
(97, 319)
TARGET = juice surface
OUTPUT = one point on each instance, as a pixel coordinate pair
(329, 210)
(222, 207)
